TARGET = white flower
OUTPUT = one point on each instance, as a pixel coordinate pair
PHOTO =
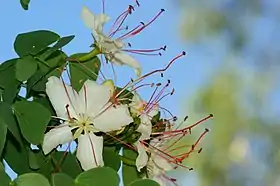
(84, 113)
(111, 48)
(145, 112)
(157, 166)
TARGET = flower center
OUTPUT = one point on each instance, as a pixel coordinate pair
(82, 125)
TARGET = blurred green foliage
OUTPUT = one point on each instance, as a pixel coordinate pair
(243, 92)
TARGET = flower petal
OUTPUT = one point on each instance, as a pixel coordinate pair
(125, 59)
(153, 110)
(108, 45)
(145, 127)
(136, 104)
(160, 165)
(142, 158)
(89, 151)
(114, 118)
(60, 96)
(94, 97)
(94, 22)
(57, 136)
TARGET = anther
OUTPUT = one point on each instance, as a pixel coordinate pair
(158, 84)
(185, 118)
(175, 118)
(199, 151)
(161, 74)
(184, 53)
(162, 10)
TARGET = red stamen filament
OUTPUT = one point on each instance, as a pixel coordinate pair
(194, 146)
(143, 26)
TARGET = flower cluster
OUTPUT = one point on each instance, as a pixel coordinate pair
(103, 114)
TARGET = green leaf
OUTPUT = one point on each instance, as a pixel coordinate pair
(16, 155)
(61, 43)
(80, 72)
(41, 164)
(24, 4)
(3, 132)
(32, 159)
(47, 68)
(5, 179)
(98, 176)
(34, 42)
(129, 174)
(68, 163)
(111, 158)
(61, 179)
(25, 68)
(43, 100)
(7, 115)
(8, 81)
(31, 179)
(146, 182)
(32, 125)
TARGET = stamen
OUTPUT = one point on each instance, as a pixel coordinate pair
(195, 144)
(143, 26)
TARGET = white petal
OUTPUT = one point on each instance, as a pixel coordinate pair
(136, 104)
(89, 151)
(125, 59)
(57, 136)
(94, 97)
(162, 164)
(94, 22)
(114, 118)
(145, 127)
(60, 96)
(108, 45)
(154, 110)
(142, 158)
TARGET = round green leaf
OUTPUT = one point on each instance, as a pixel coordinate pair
(33, 119)
(25, 68)
(146, 182)
(61, 179)
(3, 132)
(8, 80)
(5, 179)
(32, 159)
(80, 72)
(14, 153)
(34, 42)
(68, 163)
(31, 179)
(61, 43)
(98, 176)
(7, 114)
(111, 158)
(24, 4)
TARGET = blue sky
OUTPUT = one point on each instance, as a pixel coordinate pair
(63, 17)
